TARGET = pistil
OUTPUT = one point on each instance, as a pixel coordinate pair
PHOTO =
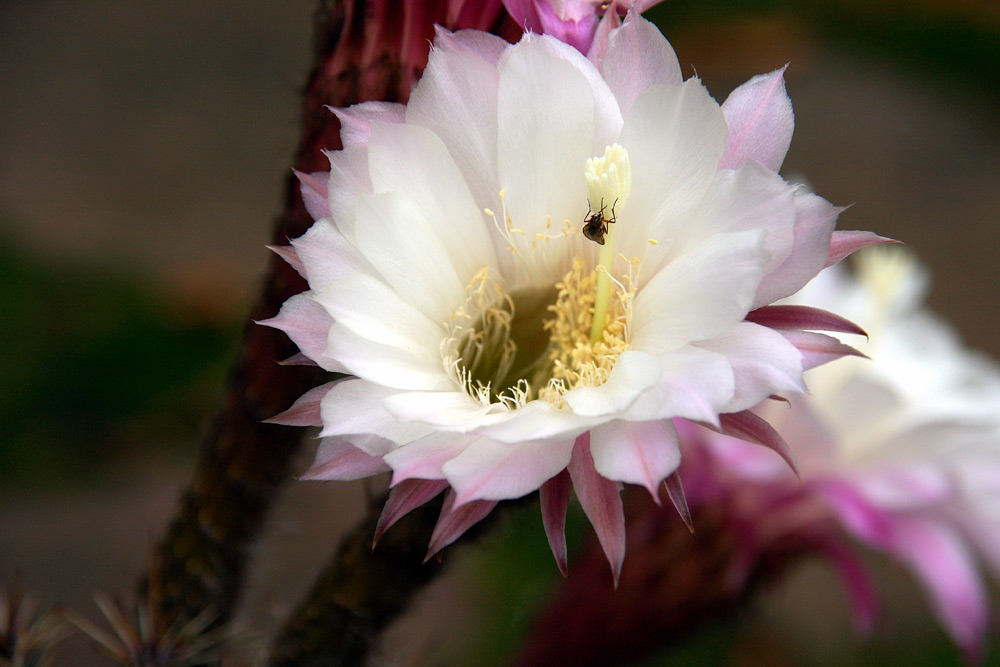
(609, 182)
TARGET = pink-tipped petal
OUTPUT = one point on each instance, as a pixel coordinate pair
(675, 491)
(403, 499)
(287, 253)
(601, 501)
(553, 496)
(454, 521)
(843, 243)
(308, 325)
(304, 411)
(638, 57)
(636, 452)
(856, 513)
(818, 349)
(356, 121)
(803, 317)
(314, 193)
(337, 459)
(751, 428)
(760, 119)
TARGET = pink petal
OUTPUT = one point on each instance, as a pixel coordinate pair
(287, 253)
(305, 410)
(489, 470)
(760, 119)
(857, 582)
(855, 512)
(553, 496)
(337, 459)
(314, 193)
(748, 426)
(844, 243)
(948, 570)
(308, 325)
(601, 502)
(803, 317)
(636, 452)
(454, 521)
(818, 349)
(675, 491)
(403, 499)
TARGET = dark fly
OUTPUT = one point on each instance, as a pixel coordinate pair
(595, 225)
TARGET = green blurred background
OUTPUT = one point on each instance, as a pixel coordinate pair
(143, 148)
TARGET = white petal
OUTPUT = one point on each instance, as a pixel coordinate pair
(489, 470)
(403, 368)
(696, 384)
(751, 197)
(546, 133)
(425, 458)
(356, 121)
(634, 372)
(348, 182)
(675, 136)
(701, 294)
(407, 249)
(326, 255)
(638, 57)
(457, 99)
(455, 410)
(536, 420)
(355, 406)
(373, 310)
(764, 363)
(636, 452)
(413, 161)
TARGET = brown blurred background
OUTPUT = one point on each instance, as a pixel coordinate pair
(142, 152)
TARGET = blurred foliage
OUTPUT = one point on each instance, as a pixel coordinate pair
(96, 364)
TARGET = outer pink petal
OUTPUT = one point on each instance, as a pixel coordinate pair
(803, 317)
(553, 496)
(818, 349)
(857, 582)
(601, 501)
(636, 452)
(748, 426)
(814, 221)
(844, 243)
(314, 193)
(308, 325)
(637, 57)
(403, 499)
(947, 569)
(339, 459)
(675, 491)
(455, 520)
(305, 411)
(760, 119)
(489, 470)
